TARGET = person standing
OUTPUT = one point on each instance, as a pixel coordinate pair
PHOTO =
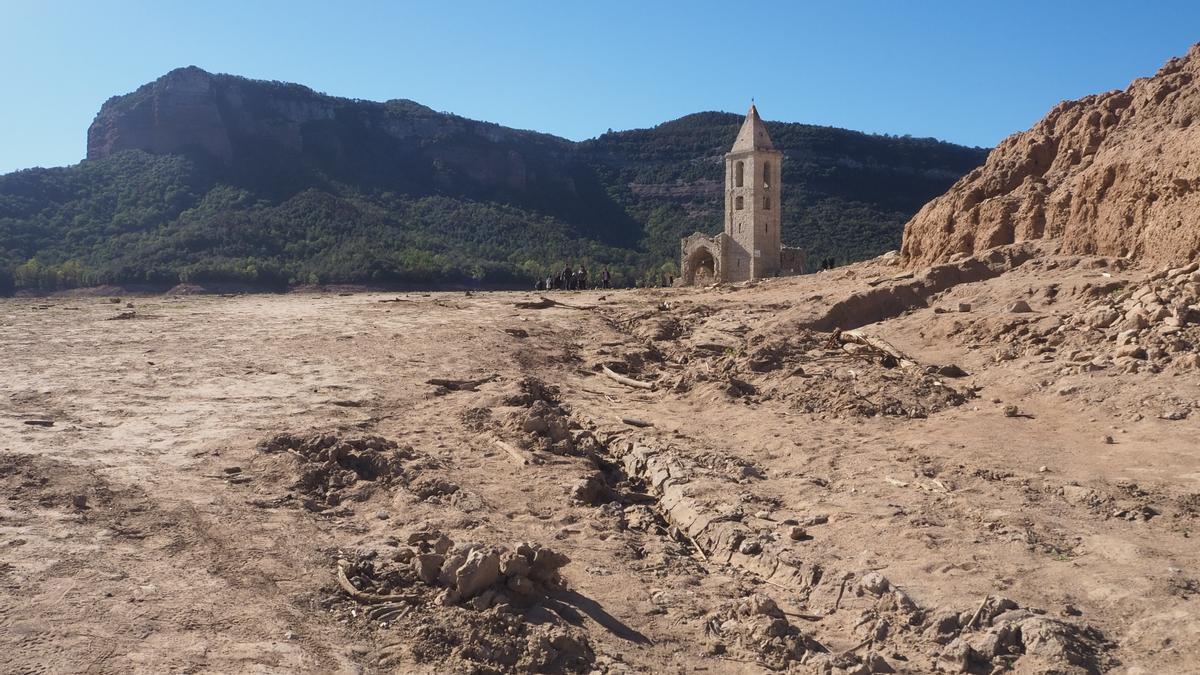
(606, 278)
(581, 278)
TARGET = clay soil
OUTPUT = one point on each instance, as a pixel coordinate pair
(154, 527)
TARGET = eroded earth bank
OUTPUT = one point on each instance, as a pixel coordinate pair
(986, 466)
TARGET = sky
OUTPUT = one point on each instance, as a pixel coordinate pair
(963, 71)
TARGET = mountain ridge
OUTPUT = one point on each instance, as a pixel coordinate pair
(218, 177)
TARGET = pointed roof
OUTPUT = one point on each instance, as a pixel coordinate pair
(753, 135)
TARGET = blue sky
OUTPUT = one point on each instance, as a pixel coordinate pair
(969, 72)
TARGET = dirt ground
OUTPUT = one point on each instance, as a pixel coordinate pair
(271, 483)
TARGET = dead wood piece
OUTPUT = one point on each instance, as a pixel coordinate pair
(635, 422)
(546, 303)
(460, 385)
(879, 345)
(40, 423)
(363, 596)
(978, 611)
(627, 381)
(522, 457)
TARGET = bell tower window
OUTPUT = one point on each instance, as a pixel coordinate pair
(737, 202)
(767, 175)
(739, 174)
(767, 203)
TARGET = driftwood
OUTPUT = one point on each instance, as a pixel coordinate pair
(363, 596)
(635, 422)
(522, 457)
(878, 345)
(460, 385)
(546, 303)
(627, 381)
(40, 423)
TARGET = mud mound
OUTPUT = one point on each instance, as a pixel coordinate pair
(334, 469)
(1113, 174)
(465, 604)
(530, 389)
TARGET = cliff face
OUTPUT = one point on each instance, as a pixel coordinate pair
(243, 122)
(1112, 174)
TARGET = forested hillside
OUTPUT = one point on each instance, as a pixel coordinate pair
(215, 178)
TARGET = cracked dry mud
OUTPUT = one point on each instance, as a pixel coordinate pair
(318, 483)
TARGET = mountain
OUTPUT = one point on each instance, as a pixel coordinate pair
(197, 177)
(1112, 174)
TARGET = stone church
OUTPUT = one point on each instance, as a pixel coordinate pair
(750, 247)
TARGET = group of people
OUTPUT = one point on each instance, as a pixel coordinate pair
(568, 280)
(828, 263)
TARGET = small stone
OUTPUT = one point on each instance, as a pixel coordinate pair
(796, 533)
(750, 547)
(1108, 440)
(79, 501)
(382, 515)
(1043, 469)
(1020, 307)
(289, 635)
(1174, 415)
(232, 469)
(1011, 411)
(874, 583)
(964, 307)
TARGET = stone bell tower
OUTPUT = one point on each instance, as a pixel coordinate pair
(752, 203)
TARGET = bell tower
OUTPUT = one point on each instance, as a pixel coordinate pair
(752, 203)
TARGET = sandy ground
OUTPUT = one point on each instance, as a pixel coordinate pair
(147, 531)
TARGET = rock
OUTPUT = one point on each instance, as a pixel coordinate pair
(1020, 307)
(796, 533)
(874, 583)
(521, 587)
(428, 566)
(1011, 411)
(480, 570)
(289, 635)
(1174, 415)
(875, 663)
(1132, 351)
(545, 564)
(1134, 321)
(951, 370)
(750, 547)
(964, 307)
(590, 490)
(79, 501)
(513, 564)
(1108, 440)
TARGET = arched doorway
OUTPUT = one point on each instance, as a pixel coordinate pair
(701, 268)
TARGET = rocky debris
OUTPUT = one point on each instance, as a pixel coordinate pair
(755, 627)
(999, 634)
(1092, 174)
(465, 604)
(822, 373)
(1150, 326)
(335, 468)
(530, 389)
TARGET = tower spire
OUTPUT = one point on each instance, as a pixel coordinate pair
(753, 134)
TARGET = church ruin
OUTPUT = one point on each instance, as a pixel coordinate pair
(750, 247)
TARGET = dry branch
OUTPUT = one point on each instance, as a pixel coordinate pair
(627, 381)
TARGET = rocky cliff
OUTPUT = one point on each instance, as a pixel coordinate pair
(1113, 174)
